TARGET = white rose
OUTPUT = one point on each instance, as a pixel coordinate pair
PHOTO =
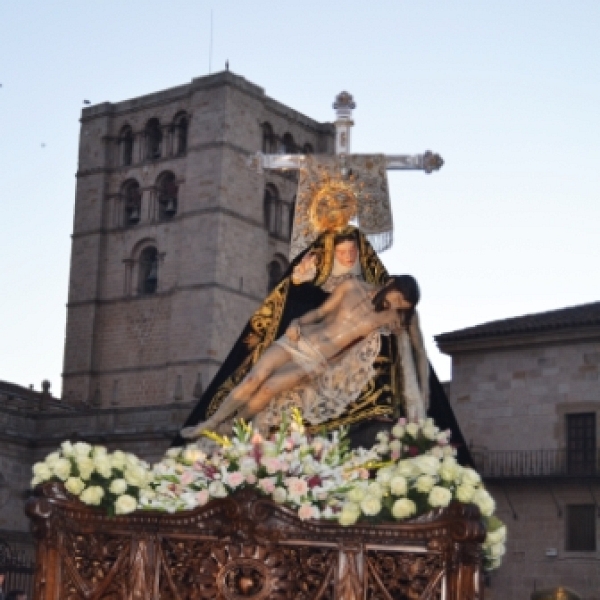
(484, 501)
(67, 449)
(279, 495)
(439, 496)
(425, 483)
(349, 514)
(118, 487)
(399, 485)
(437, 452)
(62, 468)
(217, 490)
(398, 431)
(464, 493)
(42, 471)
(82, 449)
(92, 495)
(403, 508)
(131, 460)
(98, 451)
(371, 505)
(85, 466)
(449, 451)
(74, 485)
(125, 504)
(52, 458)
(470, 476)
(429, 465)
(412, 429)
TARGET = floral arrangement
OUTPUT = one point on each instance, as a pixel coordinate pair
(408, 472)
(114, 481)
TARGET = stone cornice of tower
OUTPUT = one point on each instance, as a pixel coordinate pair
(207, 82)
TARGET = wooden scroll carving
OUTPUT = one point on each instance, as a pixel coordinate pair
(245, 547)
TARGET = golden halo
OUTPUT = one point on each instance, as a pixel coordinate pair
(333, 204)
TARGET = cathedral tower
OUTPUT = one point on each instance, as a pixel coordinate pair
(175, 239)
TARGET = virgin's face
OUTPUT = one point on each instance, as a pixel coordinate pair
(396, 300)
(346, 253)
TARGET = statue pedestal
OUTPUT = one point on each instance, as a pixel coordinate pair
(246, 547)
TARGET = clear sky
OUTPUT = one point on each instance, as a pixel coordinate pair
(507, 92)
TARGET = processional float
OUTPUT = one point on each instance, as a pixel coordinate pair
(246, 546)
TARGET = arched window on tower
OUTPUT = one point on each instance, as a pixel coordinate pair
(275, 270)
(267, 138)
(272, 209)
(181, 133)
(126, 146)
(131, 198)
(148, 271)
(168, 192)
(288, 144)
(153, 135)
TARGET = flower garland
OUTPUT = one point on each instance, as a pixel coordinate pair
(410, 471)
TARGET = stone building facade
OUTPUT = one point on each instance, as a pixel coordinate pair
(175, 242)
(526, 392)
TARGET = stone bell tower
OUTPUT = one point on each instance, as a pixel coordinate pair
(175, 240)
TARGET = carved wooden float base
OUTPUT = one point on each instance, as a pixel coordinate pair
(245, 547)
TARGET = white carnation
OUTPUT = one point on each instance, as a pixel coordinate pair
(398, 431)
(279, 495)
(464, 493)
(430, 432)
(429, 465)
(82, 449)
(497, 550)
(356, 494)
(118, 487)
(117, 459)
(496, 537)
(384, 476)
(484, 501)
(371, 505)
(375, 489)
(439, 496)
(403, 508)
(92, 495)
(412, 429)
(399, 485)
(135, 475)
(52, 458)
(62, 468)
(67, 449)
(103, 465)
(349, 514)
(449, 470)
(470, 476)
(407, 468)
(425, 483)
(125, 504)
(42, 471)
(217, 490)
(85, 466)
(74, 485)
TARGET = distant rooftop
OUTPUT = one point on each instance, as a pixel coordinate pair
(572, 317)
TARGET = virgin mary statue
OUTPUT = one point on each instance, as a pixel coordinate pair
(381, 378)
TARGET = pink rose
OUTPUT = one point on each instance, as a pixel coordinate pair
(307, 511)
(251, 478)
(272, 464)
(266, 485)
(202, 497)
(187, 477)
(296, 486)
(234, 479)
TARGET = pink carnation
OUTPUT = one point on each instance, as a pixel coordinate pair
(251, 478)
(272, 464)
(266, 485)
(187, 477)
